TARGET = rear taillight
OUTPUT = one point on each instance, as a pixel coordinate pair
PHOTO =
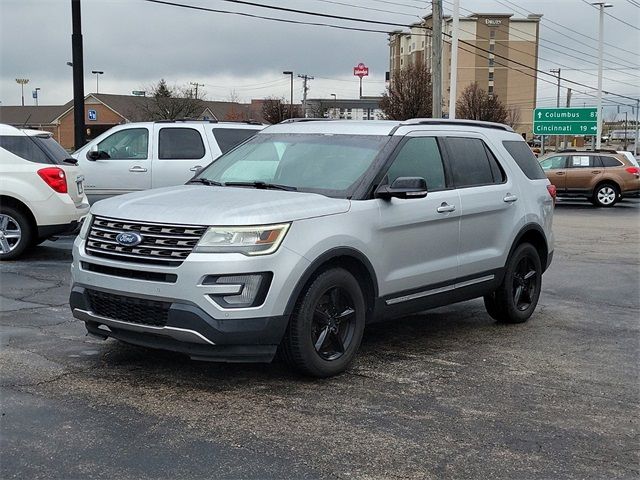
(633, 171)
(552, 191)
(55, 178)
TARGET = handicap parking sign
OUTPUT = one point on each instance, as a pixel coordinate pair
(93, 115)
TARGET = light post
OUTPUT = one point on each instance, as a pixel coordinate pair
(97, 74)
(602, 6)
(22, 82)
(335, 98)
(291, 104)
(35, 94)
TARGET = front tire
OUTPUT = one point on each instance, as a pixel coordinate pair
(517, 297)
(16, 233)
(327, 325)
(605, 195)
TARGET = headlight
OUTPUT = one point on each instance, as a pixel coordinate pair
(258, 240)
(84, 229)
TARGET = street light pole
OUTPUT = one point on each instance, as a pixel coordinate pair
(453, 83)
(290, 73)
(79, 134)
(97, 73)
(602, 6)
(22, 82)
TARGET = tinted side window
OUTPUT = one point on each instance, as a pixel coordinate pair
(470, 162)
(130, 143)
(180, 143)
(24, 147)
(228, 138)
(419, 157)
(554, 163)
(610, 162)
(524, 158)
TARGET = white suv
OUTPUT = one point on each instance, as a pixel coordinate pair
(41, 190)
(139, 156)
(300, 236)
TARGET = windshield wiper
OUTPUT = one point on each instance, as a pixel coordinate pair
(206, 182)
(261, 185)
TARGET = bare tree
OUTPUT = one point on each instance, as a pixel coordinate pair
(408, 94)
(168, 103)
(513, 117)
(476, 104)
(275, 110)
(317, 110)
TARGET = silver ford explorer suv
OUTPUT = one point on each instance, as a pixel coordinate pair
(296, 239)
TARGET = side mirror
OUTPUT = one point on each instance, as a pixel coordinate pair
(94, 154)
(403, 187)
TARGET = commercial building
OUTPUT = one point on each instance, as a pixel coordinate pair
(103, 111)
(365, 108)
(507, 47)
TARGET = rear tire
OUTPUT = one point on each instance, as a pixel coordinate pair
(16, 233)
(517, 297)
(605, 195)
(327, 325)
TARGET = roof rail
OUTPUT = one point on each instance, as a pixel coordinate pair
(595, 150)
(446, 121)
(171, 120)
(300, 120)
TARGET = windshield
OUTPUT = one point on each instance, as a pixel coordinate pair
(322, 163)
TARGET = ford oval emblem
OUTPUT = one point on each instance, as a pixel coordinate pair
(129, 239)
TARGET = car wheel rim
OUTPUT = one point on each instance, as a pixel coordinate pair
(10, 233)
(606, 195)
(334, 324)
(524, 284)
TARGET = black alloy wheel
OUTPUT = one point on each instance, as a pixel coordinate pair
(333, 323)
(524, 284)
(327, 324)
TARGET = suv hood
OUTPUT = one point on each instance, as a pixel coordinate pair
(210, 205)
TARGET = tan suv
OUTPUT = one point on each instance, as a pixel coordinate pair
(603, 176)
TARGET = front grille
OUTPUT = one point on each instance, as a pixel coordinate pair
(162, 244)
(129, 309)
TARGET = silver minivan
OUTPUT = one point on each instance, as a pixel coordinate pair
(299, 237)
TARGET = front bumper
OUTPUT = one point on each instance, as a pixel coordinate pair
(189, 330)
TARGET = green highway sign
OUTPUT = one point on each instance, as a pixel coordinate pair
(565, 121)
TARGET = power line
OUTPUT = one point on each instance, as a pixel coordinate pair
(368, 8)
(346, 18)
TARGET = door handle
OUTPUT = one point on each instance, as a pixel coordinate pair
(445, 207)
(510, 198)
(596, 171)
(137, 169)
(559, 173)
(196, 168)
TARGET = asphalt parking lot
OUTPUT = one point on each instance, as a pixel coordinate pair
(445, 394)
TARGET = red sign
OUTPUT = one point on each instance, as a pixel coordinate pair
(361, 70)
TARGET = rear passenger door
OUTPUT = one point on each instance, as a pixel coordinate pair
(418, 237)
(583, 172)
(489, 203)
(181, 152)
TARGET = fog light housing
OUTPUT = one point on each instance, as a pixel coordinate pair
(252, 292)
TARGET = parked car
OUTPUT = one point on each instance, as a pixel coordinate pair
(603, 177)
(41, 190)
(139, 156)
(309, 230)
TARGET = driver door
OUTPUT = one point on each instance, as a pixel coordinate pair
(124, 165)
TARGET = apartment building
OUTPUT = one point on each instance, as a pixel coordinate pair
(504, 44)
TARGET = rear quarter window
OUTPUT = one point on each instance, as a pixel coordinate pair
(26, 148)
(610, 162)
(229, 138)
(524, 158)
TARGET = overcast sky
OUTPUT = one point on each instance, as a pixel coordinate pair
(136, 43)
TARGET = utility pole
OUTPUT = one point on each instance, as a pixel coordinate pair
(602, 6)
(290, 73)
(557, 72)
(305, 88)
(78, 80)
(453, 82)
(626, 119)
(196, 84)
(436, 58)
(637, 127)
